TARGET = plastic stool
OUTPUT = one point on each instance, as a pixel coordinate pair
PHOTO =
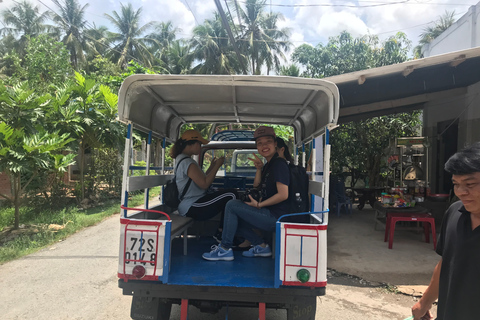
(392, 219)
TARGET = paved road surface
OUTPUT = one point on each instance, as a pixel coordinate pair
(77, 279)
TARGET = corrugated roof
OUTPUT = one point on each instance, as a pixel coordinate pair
(406, 68)
(406, 86)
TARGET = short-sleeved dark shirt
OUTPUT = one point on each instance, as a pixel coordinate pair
(459, 246)
(275, 171)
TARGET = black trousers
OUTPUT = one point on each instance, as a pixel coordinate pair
(211, 204)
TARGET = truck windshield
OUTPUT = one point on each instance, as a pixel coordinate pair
(236, 161)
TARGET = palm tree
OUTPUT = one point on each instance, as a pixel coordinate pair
(164, 34)
(97, 42)
(129, 43)
(71, 21)
(23, 20)
(210, 45)
(276, 44)
(8, 57)
(430, 33)
(291, 70)
(163, 37)
(260, 36)
(179, 57)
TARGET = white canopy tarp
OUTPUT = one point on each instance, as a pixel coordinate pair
(163, 103)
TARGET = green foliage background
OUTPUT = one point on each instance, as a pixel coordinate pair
(59, 75)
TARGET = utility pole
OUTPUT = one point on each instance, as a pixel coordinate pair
(230, 34)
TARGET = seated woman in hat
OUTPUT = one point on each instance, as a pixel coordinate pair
(197, 203)
(262, 214)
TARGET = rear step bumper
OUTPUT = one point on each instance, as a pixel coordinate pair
(234, 294)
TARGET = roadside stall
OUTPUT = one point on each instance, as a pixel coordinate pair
(404, 201)
(410, 165)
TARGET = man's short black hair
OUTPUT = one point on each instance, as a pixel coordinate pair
(466, 161)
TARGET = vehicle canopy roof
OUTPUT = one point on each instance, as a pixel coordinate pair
(163, 103)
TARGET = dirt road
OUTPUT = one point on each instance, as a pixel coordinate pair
(77, 279)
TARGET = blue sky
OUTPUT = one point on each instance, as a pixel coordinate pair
(308, 24)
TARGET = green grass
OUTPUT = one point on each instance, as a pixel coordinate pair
(38, 221)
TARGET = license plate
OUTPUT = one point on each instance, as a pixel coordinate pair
(141, 248)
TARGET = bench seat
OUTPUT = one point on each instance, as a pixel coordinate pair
(180, 224)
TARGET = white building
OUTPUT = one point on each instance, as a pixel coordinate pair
(463, 34)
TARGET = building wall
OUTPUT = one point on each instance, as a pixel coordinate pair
(464, 110)
(463, 34)
(472, 117)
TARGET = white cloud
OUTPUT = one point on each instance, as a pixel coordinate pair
(310, 24)
(336, 22)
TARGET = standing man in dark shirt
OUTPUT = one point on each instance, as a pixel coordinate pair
(456, 278)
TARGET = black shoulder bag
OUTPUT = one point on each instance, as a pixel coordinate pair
(170, 193)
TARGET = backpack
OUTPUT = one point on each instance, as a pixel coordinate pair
(298, 185)
(170, 193)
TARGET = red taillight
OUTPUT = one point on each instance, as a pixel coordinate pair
(138, 272)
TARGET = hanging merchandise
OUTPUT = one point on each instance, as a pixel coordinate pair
(410, 163)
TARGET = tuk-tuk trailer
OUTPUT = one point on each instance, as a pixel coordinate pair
(160, 261)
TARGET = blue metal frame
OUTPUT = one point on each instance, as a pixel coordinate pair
(164, 143)
(233, 135)
(312, 197)
(302, 213)
(129, 130)
(278, 229)
(125, 202)
(145, 168)
(166, 252)
(147, 171)
(327, 142)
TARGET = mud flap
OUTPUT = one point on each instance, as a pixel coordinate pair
(304, 309)
(147, 308)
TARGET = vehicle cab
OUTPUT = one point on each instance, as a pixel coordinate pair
(160, 260)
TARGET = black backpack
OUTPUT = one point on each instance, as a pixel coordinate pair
(298, 185)
(170, 193)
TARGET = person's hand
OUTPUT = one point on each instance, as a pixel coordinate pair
(420, 312)
(220, 161)
(257, 162)
(217, 162)
(253, 202)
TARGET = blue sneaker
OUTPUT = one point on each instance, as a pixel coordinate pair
(218, 253)
(258, 251)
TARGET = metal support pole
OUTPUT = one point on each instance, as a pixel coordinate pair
(314, 172)
(163, 163)
(303, 155)
(261, 311)
(147, 172)
(226, 25)
(126, 164)
(184, 309)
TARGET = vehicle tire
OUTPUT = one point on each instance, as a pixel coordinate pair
(150, 308)
(303, 309)
(164, 309)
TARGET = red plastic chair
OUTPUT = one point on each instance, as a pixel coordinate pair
(427, 220)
